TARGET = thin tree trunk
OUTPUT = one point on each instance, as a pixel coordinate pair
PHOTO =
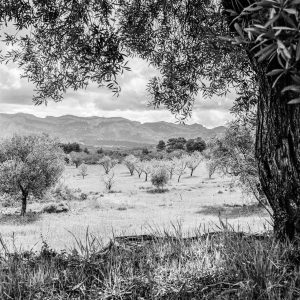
(24, 203)
(146, 178)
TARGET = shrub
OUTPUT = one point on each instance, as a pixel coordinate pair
(83, 196)
(63, 193)
(159, 178)
(55, 208)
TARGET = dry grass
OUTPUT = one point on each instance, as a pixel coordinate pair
(226, 265)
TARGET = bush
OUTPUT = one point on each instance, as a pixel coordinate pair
(159, 178)
(83, 196)
(55, 208)
(63, 193)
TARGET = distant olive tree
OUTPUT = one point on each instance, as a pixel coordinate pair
(109, 180)
(180, 166)
(138, 166)
(107, 163)
(147, 168)
(77, 158)
(193, 161)
(83, 170)
(29, 165)
(130, 161)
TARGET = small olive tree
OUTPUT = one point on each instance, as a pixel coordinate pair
(109, 180)
(147, 168)
(29, 165)
(138, 166)
(83, 170)
(107, 163)
(130, 161)
(193, 161)
(180, 166)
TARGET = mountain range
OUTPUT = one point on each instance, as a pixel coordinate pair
(102, 132)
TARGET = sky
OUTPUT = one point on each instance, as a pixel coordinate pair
(16, 96)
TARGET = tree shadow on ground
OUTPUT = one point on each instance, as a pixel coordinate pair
(232, 211)
(16, 219)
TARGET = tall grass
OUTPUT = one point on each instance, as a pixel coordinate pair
(225, 265)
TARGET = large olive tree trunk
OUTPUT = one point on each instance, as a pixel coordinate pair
(277, 142)
(278, 154)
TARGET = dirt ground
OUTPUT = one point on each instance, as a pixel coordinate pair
(194, 204)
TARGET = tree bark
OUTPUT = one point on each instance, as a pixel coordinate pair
(278, 154)
(24, 203)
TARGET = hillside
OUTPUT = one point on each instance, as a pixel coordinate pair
(99, 131)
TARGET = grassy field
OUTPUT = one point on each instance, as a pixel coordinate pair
(133, 208)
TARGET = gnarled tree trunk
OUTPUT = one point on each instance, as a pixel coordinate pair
(278, 154)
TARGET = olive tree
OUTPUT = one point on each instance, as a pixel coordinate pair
(130, 161)
(193, 161)
(107, 163)
(29, 165)
(83, 170)
(251, 47)
(180, 166)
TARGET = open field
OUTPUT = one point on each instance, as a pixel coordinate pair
(134, 208)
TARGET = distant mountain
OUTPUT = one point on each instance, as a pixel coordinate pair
(104, 132)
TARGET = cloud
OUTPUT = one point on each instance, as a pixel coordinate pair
(16, 96)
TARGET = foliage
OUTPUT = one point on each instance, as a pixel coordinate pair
(197, 144)
(29, 165)
(77, 158)
(161, 146)
(273, 34)
(176, 144)
(107, 163)
(159, 177)
(55, 208)
(69, 147)
(233, 154)
(83, 170)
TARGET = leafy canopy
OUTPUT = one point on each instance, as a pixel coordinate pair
(199, 45)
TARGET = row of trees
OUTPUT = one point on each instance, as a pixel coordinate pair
(175, 165)
(181, 143)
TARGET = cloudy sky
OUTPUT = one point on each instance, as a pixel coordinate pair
(16, 96)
